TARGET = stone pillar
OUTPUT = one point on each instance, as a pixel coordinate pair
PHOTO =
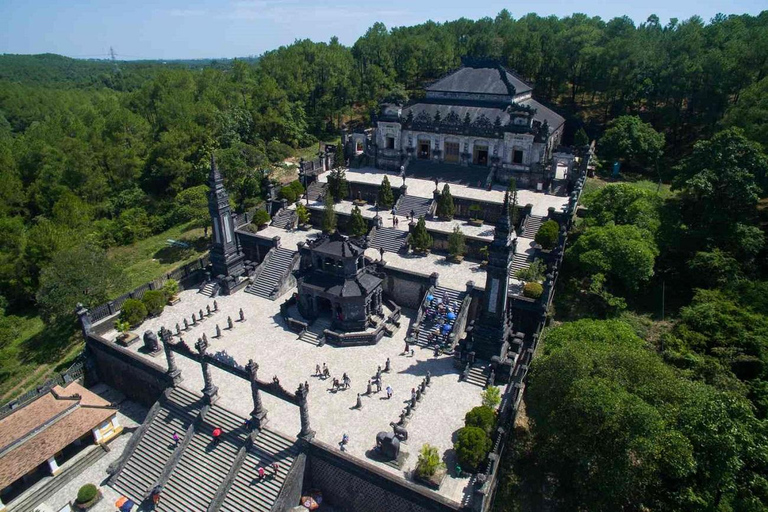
(210, 392)
(85, 320)
(53, 466)
(173, 371)
(259, 413)
(302, 395)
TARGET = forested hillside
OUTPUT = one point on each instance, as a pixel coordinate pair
(97, 159)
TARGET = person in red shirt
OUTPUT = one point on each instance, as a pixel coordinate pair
(216, 435)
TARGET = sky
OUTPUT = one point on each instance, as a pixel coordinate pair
(189, 29)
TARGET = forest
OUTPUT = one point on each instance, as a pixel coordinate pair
(651, 388)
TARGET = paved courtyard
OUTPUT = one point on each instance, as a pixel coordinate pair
(278, 351)
(423, 188)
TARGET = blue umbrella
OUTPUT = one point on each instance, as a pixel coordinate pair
(127, 506)
(446, 328)
(451, 315)
(430, 298)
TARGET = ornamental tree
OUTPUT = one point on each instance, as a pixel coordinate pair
(634, 143)
(357, 224)
(329, 214)
(419, 238)
(385, 199)
(445, 206)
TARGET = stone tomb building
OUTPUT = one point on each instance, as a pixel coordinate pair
(481, 115)
(335, 280)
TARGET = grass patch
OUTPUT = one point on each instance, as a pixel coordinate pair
(664, 190)
(150, 258)
(36, 354)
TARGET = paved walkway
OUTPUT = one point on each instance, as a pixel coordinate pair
(279, 352)
(423, 188)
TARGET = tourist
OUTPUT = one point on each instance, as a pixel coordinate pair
(216, 435)
(359, 404)
(378, 385)
(343, 443)
(335, 385)
(155, 495)
(275, 467)
(318, 373)
(326, 372)
(390, 392)
(347, 381)
(261, 473)
(176, 438)
(407, 347)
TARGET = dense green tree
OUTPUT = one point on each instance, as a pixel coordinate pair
(625, 255)
(329, 214)
(419, 239)
(751, 111)
(580, 139)
(632, 142)
(192, 206)
(445, 206)
(82, 274)
(357, 224)
(338, 186)
(385, 197)
(457, 243)
(623, 203)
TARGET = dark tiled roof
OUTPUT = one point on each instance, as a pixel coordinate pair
(480, 80)
(461, 110)
(543, 113)
(338, 245)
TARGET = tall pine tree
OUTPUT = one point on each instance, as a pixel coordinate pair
(357, 224)
(329, 214)
(445, 206)
(386, 198)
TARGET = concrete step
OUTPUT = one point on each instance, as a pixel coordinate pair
(420, 206)
(316, 191)
(390, 239)
(208, 289)
(247, 491)
(272, 274)
(519, 262)
(154, 450)
(285, 219)
(426, 326)
(203, 465)
(532, 226)
(314, 334)
(478, 374)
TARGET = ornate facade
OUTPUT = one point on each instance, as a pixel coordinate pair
(481, 115)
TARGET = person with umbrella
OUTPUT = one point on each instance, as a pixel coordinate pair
(124, 504)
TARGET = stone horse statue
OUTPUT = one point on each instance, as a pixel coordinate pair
(400, 432)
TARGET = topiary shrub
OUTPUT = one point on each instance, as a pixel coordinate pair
(483, 417)
(260, 218)
(429, 461)
(171, 288)
(87, 493)
(292, 191)
(154, 301)
(457, 244)
(472, 446)
(134, 312)
(302, 213)
(533, 290)
(419, 238)
(491, 397)
(547, 234)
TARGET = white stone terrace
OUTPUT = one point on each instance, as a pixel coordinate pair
(264, 338)
(423, 188)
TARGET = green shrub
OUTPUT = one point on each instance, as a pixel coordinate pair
(134, 312)
(547, 234)
(302, 213)
(154, 301)
(429, 461)
(534, 273)
(419, 238)
(386, 197)
(357, 224)
(483, 417)
(170, 288)
(87, 493)
(122, 326)
(445, 206)
(491, 397)
(457, 245)
(277, 151)
(260, 218)
(292, 191)
(472, 446)
(533, 290)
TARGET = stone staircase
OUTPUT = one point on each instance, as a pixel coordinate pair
(418, 205)
(203, 465)
(390, 239)
(314, 334)
(156, 447)
(316, 191)
(247, 492)
(285, 219)
(478, 374)
(520, 261)
(532, 225)
(209, 289)
(428, 324)
(271, 275)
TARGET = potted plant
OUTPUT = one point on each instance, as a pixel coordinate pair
(87, 497)
(430, 470)
(171, 291)
(474, 215)
(484, 255)
(260, 219)
(457, 245)
(126, 337)
(302, 213)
